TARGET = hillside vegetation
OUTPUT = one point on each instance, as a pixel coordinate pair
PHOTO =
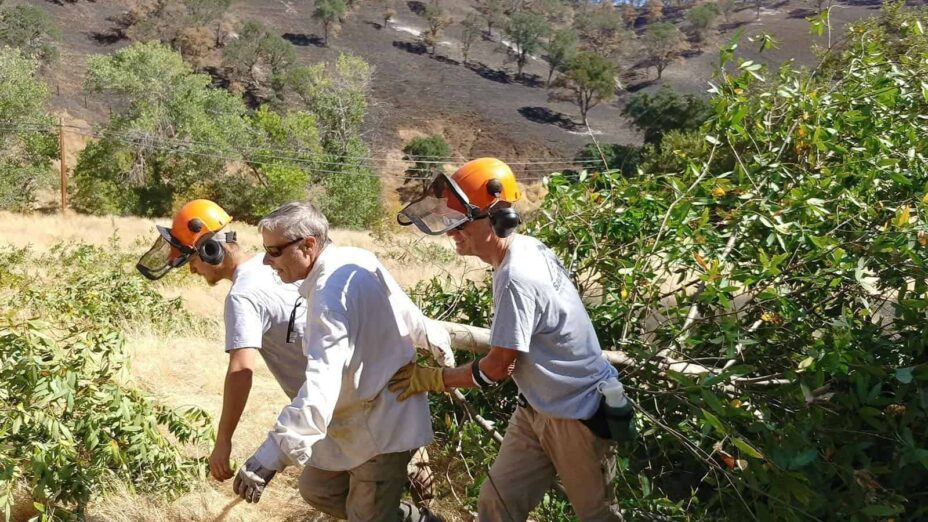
(759, 262)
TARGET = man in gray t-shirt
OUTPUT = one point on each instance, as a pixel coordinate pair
(262, 315)
(541, 336)
(260, 310)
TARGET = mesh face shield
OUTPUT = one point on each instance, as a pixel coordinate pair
(442, 207)
(165, 254)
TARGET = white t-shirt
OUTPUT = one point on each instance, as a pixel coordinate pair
(361, 328)
(539, 313)
(257, 315)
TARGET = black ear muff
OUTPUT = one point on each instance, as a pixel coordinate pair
(504, 221)
(211, 251)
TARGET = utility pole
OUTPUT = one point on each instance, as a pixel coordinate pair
(64, 168)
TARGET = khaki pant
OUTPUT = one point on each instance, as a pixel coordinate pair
(370, 492)
(535, 449)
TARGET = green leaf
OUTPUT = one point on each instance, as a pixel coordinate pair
(904, 375)
(714, 422)
(713, 401)
(881, 510)
(746, 448)
(804, 458)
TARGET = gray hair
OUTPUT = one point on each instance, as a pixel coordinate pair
(297, 220)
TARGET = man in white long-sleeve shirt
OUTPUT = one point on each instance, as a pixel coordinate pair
(350, 431)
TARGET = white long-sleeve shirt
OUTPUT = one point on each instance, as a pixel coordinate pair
(360, 329)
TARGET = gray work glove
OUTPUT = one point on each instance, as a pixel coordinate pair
(251, 479)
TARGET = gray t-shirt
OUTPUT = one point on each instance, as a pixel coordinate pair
(257, 315)
(538, 312)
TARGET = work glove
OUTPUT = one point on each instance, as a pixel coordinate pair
(412, 379)
(251, 480)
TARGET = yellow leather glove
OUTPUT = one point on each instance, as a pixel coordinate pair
(412, 379)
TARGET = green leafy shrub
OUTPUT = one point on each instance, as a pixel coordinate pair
(769, 286)
(92, 287)
(26, 147)
(424, 151)
(70, 431)
(666, 110)
(70, 427)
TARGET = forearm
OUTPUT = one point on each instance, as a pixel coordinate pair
(459, 377)
(497, 366)
(234, 397)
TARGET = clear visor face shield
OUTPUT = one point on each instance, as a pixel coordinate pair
(441, 207)
(165, 254)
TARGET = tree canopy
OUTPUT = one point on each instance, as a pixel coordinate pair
(526, 30)
(30, 29)
(26, 145)
(588, 80)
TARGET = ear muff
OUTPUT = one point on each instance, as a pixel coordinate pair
(504, 221)
(211, 251)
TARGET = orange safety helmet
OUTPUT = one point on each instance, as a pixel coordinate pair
(486, 181)
(194, 231)
(481, 188)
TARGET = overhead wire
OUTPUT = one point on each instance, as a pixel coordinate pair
(430, 159)
(315, 159)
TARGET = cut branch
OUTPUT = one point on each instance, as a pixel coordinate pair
(477, 340)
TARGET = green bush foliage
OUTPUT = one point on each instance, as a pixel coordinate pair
(169, 142)
(336, 94)
(424, 151)
(70, 427)
(785, 264)
(179, 138)
(26, 146)
(29, 29)
(624, 158)
(666, 110)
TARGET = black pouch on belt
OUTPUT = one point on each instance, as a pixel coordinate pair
(617, 424)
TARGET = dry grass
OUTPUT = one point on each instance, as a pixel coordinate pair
(189, 370)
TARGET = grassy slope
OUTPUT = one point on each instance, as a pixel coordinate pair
(189, 370)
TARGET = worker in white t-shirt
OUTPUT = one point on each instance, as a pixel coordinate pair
(541, 336)
(262, 315)
(349, 432)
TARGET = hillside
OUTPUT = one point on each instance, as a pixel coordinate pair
(480, 107)
(169, 379)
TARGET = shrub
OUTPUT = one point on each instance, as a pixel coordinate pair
(771, 292)
(70, 428)
(426, 153)
(666, 110)
(70, 431)
(26, 145)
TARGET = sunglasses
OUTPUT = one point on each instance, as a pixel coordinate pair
(278, 250)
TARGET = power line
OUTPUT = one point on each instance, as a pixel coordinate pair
(427, 159)
(170, 145)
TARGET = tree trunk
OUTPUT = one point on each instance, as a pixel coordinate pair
(325, 33)
(550, 74)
